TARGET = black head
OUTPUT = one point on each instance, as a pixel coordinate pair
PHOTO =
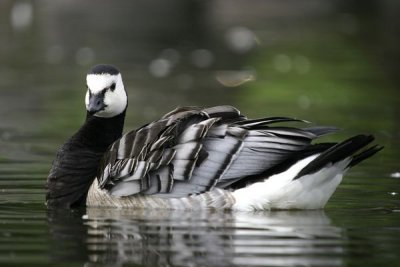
(104, 69)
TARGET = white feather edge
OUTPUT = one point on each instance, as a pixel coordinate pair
(280, 191)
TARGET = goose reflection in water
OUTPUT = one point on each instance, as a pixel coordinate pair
(202, 238)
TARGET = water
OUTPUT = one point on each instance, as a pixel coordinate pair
(324, 66)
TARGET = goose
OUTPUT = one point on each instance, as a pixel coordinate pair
(195, 158)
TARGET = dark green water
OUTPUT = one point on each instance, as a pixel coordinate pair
(332, 64)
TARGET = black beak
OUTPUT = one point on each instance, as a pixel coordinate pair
(96, 103)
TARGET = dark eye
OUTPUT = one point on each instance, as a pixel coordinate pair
(112, 87)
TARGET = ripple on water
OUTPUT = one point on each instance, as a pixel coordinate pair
(204, 238)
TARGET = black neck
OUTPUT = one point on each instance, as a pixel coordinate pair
(77, 162)
(98, 133)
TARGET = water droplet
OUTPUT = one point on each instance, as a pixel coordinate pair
(21, 16)
(160, 67)
(395, 175)
(282, 63)
(202, 58)
(304, 102)
(240, 39)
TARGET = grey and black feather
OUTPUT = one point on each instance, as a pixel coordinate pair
(191, 150)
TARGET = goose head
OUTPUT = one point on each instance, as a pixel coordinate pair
(106, 96)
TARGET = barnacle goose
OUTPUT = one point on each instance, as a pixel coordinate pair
(194, 158)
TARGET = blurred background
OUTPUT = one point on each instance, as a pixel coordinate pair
(326, 61)
(330, 62)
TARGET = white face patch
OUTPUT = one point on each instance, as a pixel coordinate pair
(115, 100)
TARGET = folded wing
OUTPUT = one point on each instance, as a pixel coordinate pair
(191, 150)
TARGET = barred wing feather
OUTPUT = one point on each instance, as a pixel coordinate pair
(191, 150)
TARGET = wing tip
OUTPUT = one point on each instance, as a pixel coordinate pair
(341, 151)
(358, 158)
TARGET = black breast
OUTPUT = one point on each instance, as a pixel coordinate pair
(77, 161)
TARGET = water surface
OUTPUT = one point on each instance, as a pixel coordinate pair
(324, 66)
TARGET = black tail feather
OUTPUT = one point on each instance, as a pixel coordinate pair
(339, 152)
(329, 153)
(364, 155)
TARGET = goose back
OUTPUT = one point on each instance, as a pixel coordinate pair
(193, 150)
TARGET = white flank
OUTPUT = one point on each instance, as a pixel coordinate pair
(280, 191)
(116, 100)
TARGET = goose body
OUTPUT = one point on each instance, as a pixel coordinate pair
(193, 158)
